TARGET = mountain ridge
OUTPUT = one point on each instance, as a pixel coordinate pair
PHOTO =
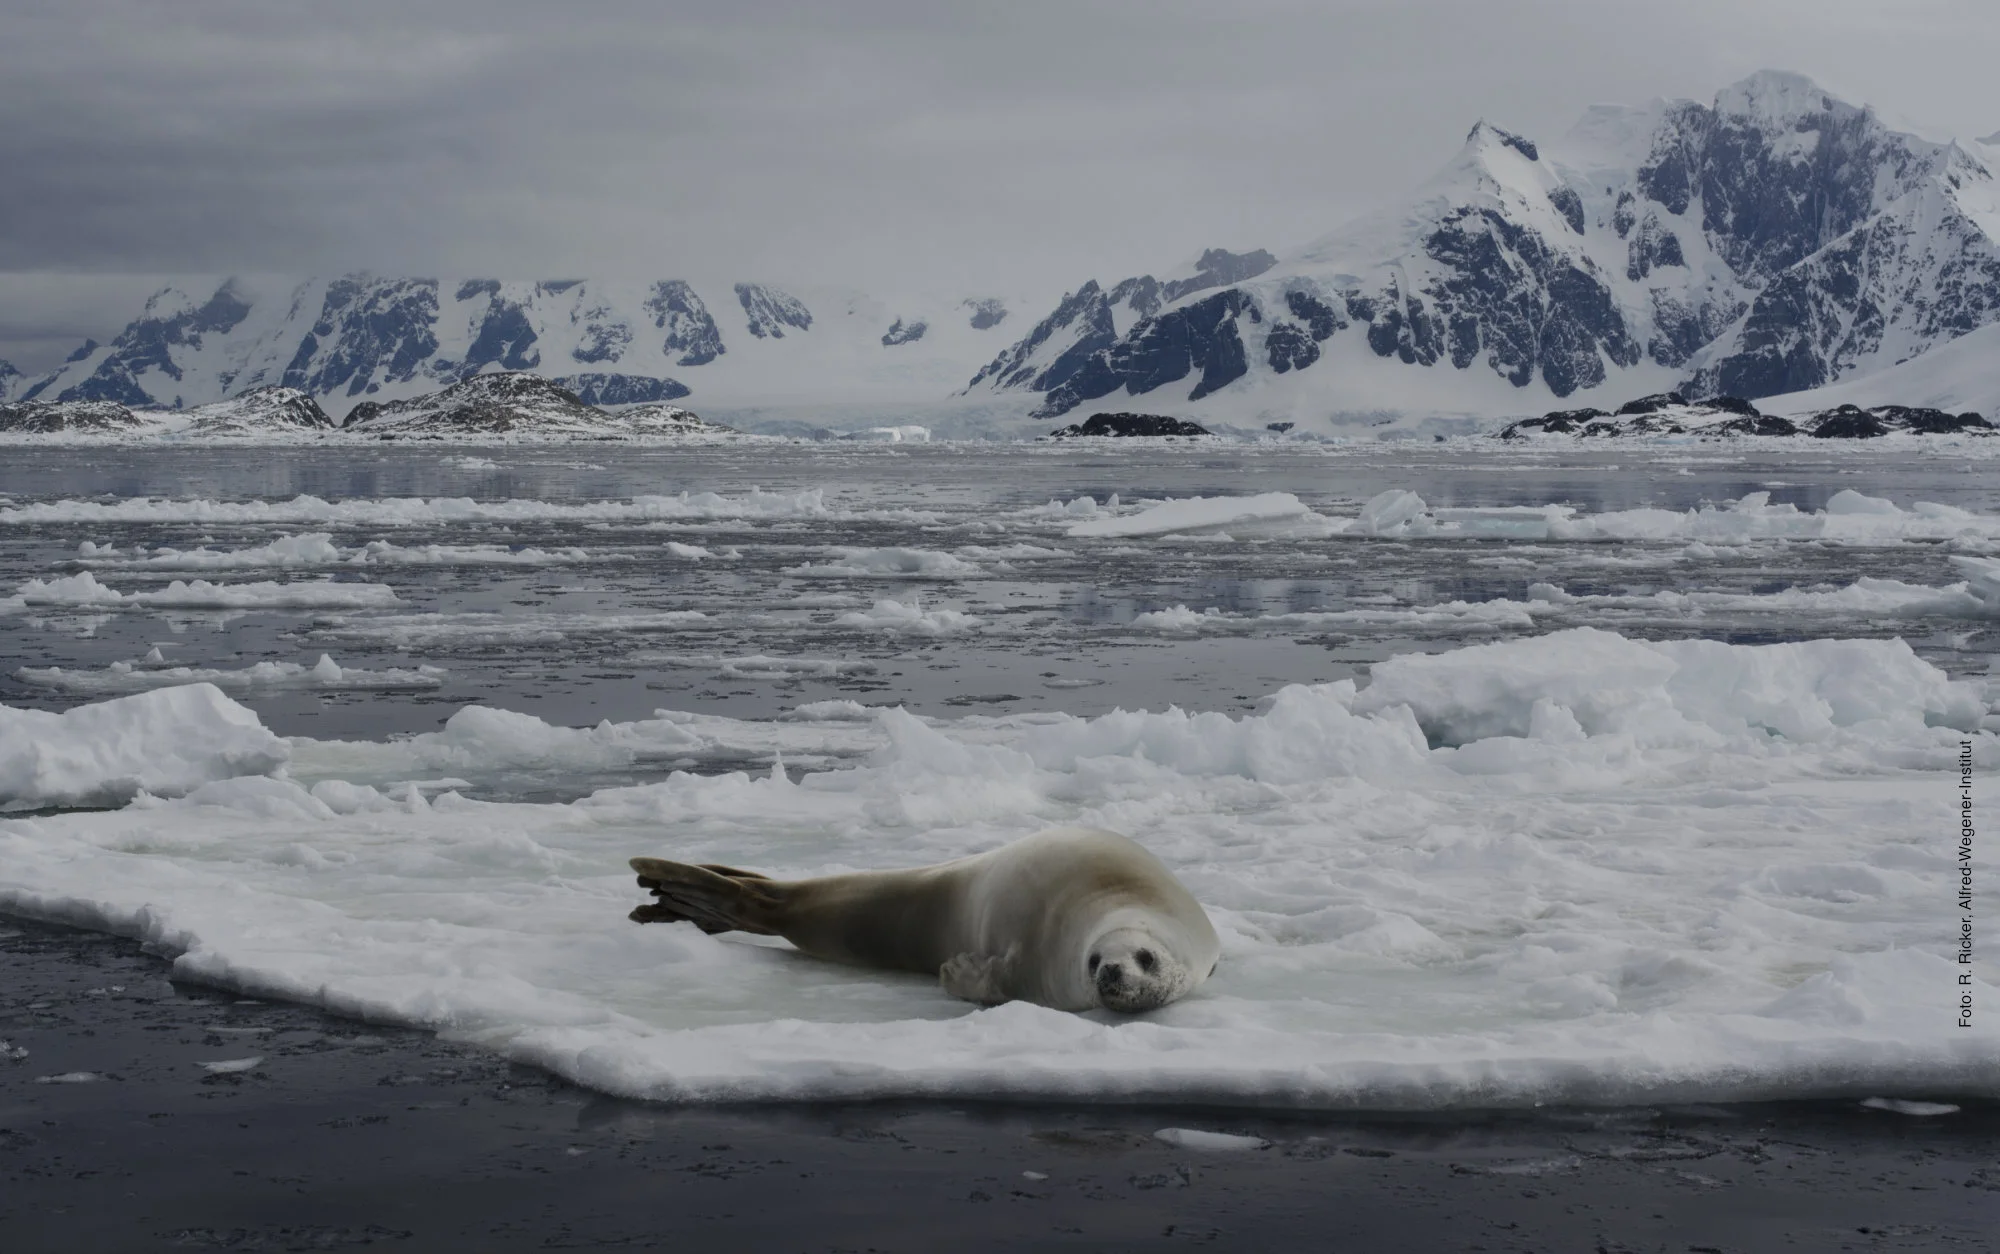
(1773, 240)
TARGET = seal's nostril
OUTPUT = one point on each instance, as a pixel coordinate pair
(1109, 973)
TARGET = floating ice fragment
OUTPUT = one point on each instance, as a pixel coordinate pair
(1210, 1142)
(71, 1077)
(1901, 1106)
(232, 1066)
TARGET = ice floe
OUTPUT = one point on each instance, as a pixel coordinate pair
(317, 549)
(901, 618)
(422, 511)
(83, 589)
(1576, 867)
(890, 564)
(326, 674)
(164, 742)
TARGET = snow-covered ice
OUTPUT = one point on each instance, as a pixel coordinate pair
(164, 742)
(83, 589)
(1575, 867)
(324, 674)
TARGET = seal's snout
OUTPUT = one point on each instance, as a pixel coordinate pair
(1110, 976)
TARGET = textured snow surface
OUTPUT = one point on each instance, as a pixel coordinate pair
(165, 743)
(84, 590)
(1569, 867)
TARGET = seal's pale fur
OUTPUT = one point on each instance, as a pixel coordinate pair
(1073, 918)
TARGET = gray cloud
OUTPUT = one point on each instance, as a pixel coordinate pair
(878, 144)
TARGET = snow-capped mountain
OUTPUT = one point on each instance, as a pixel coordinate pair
(1773, 240)
(376, 338)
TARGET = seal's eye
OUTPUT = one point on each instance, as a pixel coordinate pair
(1094, 960)
(1146, 960)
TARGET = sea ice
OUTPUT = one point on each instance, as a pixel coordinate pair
(164, 742)
(1577, 867)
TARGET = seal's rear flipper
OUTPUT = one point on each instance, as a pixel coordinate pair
(721, 899)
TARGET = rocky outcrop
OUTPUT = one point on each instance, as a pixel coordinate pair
(147, 349)
(987, 312)
(769, 311)
(261, 411)
(523, 406)
(69, 417)
(1851, 422)
(904, 333)
(622, 389)
(1671, 413)
(1154, 425)
(691, 332)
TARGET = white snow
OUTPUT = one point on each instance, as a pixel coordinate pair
(1241, 514)
(1210, 1142)
(1576, 867)
(900, 618)
(83, 590)
(1958, 375)
(1903, 1106)
(165, 742)
(892, 563)
(317, 549)
(326, 674)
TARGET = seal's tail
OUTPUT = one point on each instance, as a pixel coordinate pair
(713, 897)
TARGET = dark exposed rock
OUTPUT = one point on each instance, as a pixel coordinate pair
(1216, 268)
(1083, 318)
(387, 328)
(477, 287)
(483, 404)
(506, 339)
(519, 405)
(83, 350)
(261, 411)
(50, 418)
(1320, 318)
(1526, 147)
(1655, 245)
(1527, 305)
(987, 313)
(1851, 422)
(770, 311)
(1650, 404)
(1756, 424)
(1665, 413)
(1125, 424)
(1569, 205)
(1290, 347)
(605, 333)
(146, 347)
(621, 389)
(557, 286)
(1143, 295)
(691, 331)
(904, 333)
(1200, 337)
(1623, 215)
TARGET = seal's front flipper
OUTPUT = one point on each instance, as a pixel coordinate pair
(978, 978)
(712, 902)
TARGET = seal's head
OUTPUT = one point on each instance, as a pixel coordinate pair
(1133, 971)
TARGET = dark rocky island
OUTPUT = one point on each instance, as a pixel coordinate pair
(1671, 413)
(1130, 425)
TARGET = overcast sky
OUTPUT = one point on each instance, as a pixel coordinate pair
(889, 146)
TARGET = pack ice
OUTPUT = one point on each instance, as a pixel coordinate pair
(1575, 867)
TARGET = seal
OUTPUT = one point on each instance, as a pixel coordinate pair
(1074, 918)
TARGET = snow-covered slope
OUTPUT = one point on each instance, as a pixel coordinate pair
(362, 337)
(1774, 238)
(1962, 375)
